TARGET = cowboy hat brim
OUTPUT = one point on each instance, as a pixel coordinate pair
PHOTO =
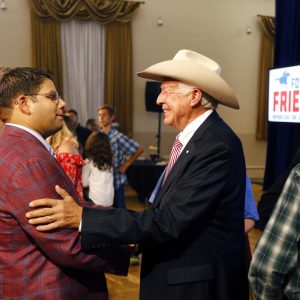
(193, 74)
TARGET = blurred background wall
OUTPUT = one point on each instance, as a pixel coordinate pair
(227, 31)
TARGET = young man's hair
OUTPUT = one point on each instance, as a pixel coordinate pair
(18, 81)
(110, 109)
(3, 70)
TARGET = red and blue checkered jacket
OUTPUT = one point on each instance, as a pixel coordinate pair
(36, 265)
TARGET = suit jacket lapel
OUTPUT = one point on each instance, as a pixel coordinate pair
(176, 171)
(189, 151)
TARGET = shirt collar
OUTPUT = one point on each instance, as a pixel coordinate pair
(111, 131)
(35, 134)
(187, 133)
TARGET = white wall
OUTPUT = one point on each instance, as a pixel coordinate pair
(215, 28)
(15, 34)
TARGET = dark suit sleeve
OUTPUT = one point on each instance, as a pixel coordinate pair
(192, 199)
(35, 179)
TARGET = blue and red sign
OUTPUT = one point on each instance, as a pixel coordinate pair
(284, 98)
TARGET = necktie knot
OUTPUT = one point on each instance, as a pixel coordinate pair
(177, 145)
(173, 156)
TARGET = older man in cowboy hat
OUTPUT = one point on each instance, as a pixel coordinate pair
(192, 238)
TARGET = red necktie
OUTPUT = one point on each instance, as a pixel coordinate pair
(173, 157)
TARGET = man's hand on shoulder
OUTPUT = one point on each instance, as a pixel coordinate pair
(53, 213)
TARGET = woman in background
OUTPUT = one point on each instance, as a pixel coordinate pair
(97, 173)
(65, 146)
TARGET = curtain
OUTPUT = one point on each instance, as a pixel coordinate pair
(284, 138)
(83, 66)
(46, 48)
(106, 12)
(102, 11)
(266, 62)
(118, 74)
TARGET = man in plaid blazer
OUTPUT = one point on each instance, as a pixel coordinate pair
(34, 265)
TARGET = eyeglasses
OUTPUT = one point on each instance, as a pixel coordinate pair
(53, 96)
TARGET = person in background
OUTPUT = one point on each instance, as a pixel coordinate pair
(125, 152)
(65, 146)
(270, 197)
(192, 239)
(82, 133)
(275, 267)
(250, 218)
(53, 265)
(91, 125)
(250, 214)
(97, 173)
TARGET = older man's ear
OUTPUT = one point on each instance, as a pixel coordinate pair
(196, 98)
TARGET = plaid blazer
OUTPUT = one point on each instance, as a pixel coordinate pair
(35, 265)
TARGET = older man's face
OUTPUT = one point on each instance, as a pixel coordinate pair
(175, 105)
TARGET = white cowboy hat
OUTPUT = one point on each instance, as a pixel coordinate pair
(197, 70)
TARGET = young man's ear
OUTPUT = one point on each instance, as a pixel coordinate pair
(22, 102)
(196, 97)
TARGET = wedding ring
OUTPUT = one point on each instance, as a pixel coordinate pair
(50, 220)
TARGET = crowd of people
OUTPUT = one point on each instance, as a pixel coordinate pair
(95, 157)
(64, 221)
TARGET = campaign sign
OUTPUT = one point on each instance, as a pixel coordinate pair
(284, 87)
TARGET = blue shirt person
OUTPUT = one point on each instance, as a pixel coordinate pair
(125, 151)
(250, 212)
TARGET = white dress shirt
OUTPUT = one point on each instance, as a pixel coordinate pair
(186, 134)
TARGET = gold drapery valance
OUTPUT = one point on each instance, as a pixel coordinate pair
(116, 15)
(102, 11)
(268, 23)
(266, 62)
